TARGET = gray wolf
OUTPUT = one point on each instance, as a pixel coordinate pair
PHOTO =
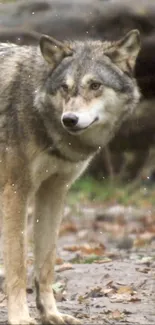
(59, 103)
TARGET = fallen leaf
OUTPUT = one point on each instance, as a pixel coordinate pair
(67, 227)
(87, 249)
(96, 250)
(116, 314)
(124, 298)
(108, 291)
(59, 261)
(125, 289)
(135, 299)
(73, 248)
(144, 239)
(144, 270)
(64, 267)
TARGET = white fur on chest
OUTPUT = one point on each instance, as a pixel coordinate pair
(43, 166)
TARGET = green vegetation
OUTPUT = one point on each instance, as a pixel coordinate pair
(89, 190)
(7, 1)
(90, 259)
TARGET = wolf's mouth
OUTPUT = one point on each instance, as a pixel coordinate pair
(77, 129)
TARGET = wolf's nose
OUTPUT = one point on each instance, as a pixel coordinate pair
(70, 120)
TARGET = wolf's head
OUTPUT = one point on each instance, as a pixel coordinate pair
(92, 83)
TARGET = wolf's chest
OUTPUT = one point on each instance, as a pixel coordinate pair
(44, 166)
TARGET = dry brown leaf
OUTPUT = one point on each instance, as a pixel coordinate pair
(124, 298)
(125, 289)
(64, 267)
(144, 270)
(144, 239)
(135, 299)
(87, 249)
(120, 298)
(139, 242)
(116, 314)
(73, 248)
(109, 284)
(96, 250)
(67, 227)
(59, 261)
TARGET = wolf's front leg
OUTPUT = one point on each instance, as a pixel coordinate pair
(14, 236)
(48, 213)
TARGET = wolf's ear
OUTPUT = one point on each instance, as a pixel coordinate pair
(126, 51)
(53, 51)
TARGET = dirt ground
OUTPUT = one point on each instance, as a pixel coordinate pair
(105, 270)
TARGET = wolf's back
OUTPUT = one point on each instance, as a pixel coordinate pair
(18, 79)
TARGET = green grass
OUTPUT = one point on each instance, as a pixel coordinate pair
(4, 1)
(90, 259)
(90, 190)
(7, 1)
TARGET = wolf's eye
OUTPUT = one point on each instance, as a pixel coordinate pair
(64, 87)
(95, 85)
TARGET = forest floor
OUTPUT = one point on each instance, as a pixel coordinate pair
(105, 267)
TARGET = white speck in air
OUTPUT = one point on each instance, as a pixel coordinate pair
(37, 220)
(46, 170)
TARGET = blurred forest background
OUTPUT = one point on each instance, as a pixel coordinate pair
(124, 170)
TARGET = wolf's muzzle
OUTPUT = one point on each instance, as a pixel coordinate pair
(69, 120)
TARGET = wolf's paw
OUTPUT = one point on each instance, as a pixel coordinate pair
(70, 320)
(61, 319)
(22, 321)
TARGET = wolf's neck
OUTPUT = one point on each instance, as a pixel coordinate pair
(71, 148)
